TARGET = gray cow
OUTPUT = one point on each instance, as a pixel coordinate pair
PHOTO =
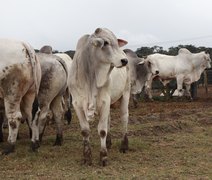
(140, 74)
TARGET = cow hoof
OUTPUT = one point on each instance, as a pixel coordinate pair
(108, 141)
(124, 145)
(87, 161)
(59, 140)
(9, 149)
(35, 145)
(103, 157)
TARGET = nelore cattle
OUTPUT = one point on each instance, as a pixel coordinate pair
(66, 101)
(52, 88)
(186, 68)
(67, 96)
(140, 73)
(20, 75)
(99, 77)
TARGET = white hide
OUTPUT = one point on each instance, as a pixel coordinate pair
(186, 67)
(20, 76)
(96, 83)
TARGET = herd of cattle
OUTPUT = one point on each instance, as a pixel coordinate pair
(100, 74)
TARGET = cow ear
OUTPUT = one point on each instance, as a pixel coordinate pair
(141, 61)
(122, 42)
(102, 75)
(98, 42)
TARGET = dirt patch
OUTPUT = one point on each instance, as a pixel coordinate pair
(206, 121)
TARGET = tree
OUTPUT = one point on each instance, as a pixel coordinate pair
(144, 51)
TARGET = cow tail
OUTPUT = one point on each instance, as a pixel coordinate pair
(62, 62)
(33, 61)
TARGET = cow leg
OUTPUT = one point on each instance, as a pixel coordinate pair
(28, 113)
(85, 131)
(1, 126)
(148, 89)
(5, 121)
(187, 91)
(108, 139)
(135, 100)
(180, 85)
(14, 116)
(57, 111)
(67, 104)
(103, 130)
(41, 120)
(26, 109)
(124, 118)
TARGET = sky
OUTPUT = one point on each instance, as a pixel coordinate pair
(60, 23)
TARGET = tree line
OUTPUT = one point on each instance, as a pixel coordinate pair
(145, 51)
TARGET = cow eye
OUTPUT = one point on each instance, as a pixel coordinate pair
(106, 43)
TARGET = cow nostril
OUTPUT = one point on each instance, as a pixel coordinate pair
(124, 62)
(157, 72)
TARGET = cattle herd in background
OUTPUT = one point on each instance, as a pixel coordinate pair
(101, 73)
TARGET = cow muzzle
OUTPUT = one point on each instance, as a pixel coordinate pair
(124, 62)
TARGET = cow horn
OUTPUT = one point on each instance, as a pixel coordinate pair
(98, 30)
(98, 42)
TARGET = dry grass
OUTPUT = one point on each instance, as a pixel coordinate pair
(168, 140)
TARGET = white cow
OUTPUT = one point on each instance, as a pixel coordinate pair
(20, 75)
(186, 67)
(67, 96)
(95, 84)
(52, 88)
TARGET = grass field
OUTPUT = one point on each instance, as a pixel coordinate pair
(167, 140)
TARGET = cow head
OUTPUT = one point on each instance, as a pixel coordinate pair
(106, 48)
(139, 71)
(152, 66)
(207, 60)
(46, 49)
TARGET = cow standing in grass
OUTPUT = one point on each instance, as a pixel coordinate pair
(20, 75)
(98, 80)
(186, 68)
(52, 88)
